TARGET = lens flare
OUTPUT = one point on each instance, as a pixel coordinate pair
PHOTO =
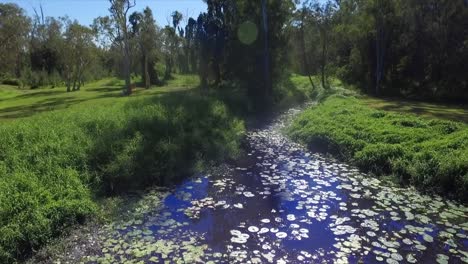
(247, 33)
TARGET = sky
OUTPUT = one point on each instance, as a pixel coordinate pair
(86, 10)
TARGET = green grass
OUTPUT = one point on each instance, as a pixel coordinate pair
(17, 103)
(61, 153)
(58, 159)
(431, 154)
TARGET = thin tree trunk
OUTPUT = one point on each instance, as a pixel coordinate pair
(380, 56)
(128, 81)
(68, 79)
(146, 70)
(266, 55)
(324, 58)
(305, 60)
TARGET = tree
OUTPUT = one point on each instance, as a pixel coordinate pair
(115, 30)
(203, 49)
(303, 16)
(144, 29)
(381, 11)
(323, 18)
(176, 19)
(190, 39)
(14, 29)
(77, 54)
(170, 49)
(46, 43)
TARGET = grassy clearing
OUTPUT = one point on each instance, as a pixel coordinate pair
(431, 154)
(17, 103)
(54, 165)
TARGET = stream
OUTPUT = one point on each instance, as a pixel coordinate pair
(283, 204)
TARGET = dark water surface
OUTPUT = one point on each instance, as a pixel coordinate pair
(282, 204)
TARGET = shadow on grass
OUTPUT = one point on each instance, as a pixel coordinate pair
(442, 111)
(34, 94)
(50, 104)
(105, 89)
(42, 106)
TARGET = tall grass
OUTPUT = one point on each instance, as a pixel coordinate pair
(53, 164)
(431, 154)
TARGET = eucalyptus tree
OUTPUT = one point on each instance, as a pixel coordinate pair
(323, 13)
(190, 40)
(301, 21)
(170, 49)
(114, 30)
(15, 26)
(145, 30)
(78, 54)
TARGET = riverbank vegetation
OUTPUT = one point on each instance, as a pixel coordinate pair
(53, 164)
(410, 51)
(127, 103)
(430, 154)
(413, 49)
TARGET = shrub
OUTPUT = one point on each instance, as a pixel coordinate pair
(378, 158)
(10, 81)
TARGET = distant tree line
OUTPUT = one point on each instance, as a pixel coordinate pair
(42, 51)
(414, 48)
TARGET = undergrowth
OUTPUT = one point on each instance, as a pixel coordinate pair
(53, 165)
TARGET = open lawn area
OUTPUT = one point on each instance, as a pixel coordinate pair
(16, 103)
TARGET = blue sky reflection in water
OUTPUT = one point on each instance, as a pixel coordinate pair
(282, 204)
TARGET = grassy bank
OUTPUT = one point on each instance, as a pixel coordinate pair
(54, 165)
(62, 152)
(431, 154)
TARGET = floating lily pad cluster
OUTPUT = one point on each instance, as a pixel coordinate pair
(289, 206)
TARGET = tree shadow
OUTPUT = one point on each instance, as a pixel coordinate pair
(34, 94)
(105, 89)
(42, 106)
(442, 111)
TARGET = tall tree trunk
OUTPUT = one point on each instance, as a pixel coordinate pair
(146, 71)
(217, 71)
(266, 55)
(68, 79)
(324, 57)
(380, 58)
(128, 80)
(168, 72)
(305, 59)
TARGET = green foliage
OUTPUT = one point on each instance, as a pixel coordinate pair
(407, 48)
(52, 164)
(428, 153)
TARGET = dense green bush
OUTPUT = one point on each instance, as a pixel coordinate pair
(428, 153)
(11, 81)
(51, 165)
